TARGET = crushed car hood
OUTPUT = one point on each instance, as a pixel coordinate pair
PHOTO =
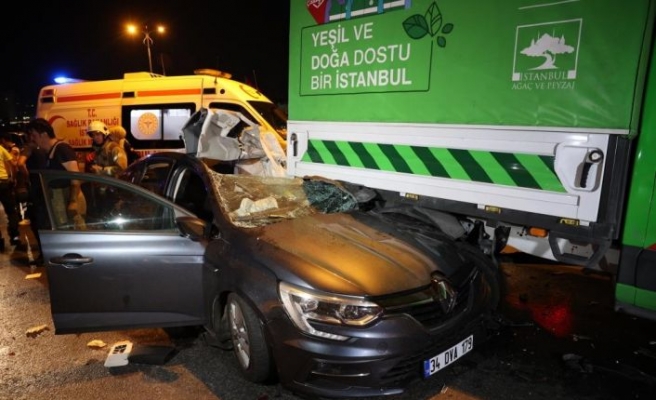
(312, 233)
(336, 252)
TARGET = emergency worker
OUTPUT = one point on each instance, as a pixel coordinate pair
(109, 158)
(8, 143)
(118, 134)
(7, 199)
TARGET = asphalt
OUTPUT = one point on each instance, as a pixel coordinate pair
(559, 338)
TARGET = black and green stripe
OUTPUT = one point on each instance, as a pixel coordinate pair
(508, 169)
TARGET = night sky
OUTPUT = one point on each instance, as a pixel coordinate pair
(248, 38)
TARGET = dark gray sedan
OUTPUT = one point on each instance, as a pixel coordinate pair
(309, 281)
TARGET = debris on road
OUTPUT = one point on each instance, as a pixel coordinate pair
(576, 337)
(97, 344)
(36, 330)
(577, 363)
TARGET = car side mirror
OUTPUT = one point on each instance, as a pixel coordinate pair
(193, 228)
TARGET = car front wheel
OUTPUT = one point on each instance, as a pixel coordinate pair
(248, 340)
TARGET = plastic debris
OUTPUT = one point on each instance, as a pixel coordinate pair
(36, 330)
(97, 344)
(576, 337)
(577, 363)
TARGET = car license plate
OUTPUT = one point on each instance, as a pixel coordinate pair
(448, 357)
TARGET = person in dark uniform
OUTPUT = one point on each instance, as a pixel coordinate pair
(31, 158)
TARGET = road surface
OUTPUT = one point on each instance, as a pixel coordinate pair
(560, 339)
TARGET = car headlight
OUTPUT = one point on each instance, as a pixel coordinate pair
(304, 306)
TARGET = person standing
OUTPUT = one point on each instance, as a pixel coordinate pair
(118, 134)
(32, 157)
(68, 201)
(19, 189)
(110, 158)
(7, 197)
(9, 144)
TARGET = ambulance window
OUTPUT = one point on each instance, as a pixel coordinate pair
(157, 126)
(273, 114)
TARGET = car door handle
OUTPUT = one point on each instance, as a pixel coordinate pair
(71, 261)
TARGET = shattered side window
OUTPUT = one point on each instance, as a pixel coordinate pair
(251, 201)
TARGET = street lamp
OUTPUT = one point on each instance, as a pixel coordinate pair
(148, 41)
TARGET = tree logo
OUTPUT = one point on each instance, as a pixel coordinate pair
(547, 48)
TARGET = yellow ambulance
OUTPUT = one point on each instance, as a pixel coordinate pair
(152, 108)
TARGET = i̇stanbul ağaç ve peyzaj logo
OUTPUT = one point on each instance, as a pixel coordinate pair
(355, 48)
(546, 55)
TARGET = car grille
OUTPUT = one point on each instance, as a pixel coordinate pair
(431, 316)
(423, 307)
(430, 313)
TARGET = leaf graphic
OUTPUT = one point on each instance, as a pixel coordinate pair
(441, 41)
(416, 26)
(434, 16)
(447, 28)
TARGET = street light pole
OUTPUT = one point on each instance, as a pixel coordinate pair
(148, 40)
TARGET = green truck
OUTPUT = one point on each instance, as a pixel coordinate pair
(532, 122)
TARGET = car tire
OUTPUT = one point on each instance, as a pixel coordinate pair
(248, 341)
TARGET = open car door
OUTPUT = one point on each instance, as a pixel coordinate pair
(123, 263)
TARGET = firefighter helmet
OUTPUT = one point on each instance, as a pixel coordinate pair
(97, 126)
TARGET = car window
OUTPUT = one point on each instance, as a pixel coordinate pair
(105, 207)
(134, 174)
(190, 192)
(154, 177)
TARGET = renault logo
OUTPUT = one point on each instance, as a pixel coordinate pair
(443, 293)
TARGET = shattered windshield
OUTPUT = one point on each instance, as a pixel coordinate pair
(251, 201)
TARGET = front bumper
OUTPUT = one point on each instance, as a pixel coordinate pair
(381, 360)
